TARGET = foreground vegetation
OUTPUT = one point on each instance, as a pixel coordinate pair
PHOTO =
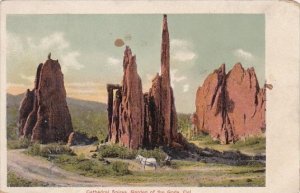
(118, 164)
(64, 157)
(13, 180)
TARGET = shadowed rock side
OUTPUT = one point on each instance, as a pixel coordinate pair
(126, 113)
(25, 109)
(44, 114)
(231, 106)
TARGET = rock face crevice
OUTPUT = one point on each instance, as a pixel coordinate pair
(143, 120)
(231, 106)
(44, 114)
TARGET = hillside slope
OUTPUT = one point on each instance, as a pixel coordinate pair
(87, 116)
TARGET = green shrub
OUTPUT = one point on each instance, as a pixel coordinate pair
(49, 149)
(116, 151)
(120, 168)
(85, 165)
(93, 167)
(35, 149)
(21, 143)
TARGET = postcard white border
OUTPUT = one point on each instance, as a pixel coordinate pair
(282, 70)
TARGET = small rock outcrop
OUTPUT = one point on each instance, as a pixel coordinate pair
(76, 138)
(126, 111)
(231, 106)
(44, 115)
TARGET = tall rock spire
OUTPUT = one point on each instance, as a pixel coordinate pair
(165, 82)
(162, 123)
(126, 108)
(165, 51)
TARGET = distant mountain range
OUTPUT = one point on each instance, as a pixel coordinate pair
(15, 100)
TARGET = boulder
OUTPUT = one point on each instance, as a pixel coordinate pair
(76, 138)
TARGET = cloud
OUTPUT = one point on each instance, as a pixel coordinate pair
(242, 54)
(28, 78)
(175, 78)
(33, 49)
(14, 44)
(112, 61)
(56, 40)
(70, 61)
(181, 50)
(186, 88)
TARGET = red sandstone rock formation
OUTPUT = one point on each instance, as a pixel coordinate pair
(49, 119)
(161, 127)
(127, 112)
(149, 120)
(231, 106)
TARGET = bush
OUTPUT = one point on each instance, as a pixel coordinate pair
(35, 149)
(21, 143)
(85, 165)
(120, 168)
(91, 167)
(116, 151)
(49, 149)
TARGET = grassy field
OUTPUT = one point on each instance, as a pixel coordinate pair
(130, 172)
(250, 146)
(196, 174)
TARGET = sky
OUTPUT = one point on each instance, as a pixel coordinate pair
(85, 47)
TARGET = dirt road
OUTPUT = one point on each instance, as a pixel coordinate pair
(35, 168)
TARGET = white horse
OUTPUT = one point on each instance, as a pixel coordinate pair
(147, 161)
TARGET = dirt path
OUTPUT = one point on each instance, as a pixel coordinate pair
(35, 168)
